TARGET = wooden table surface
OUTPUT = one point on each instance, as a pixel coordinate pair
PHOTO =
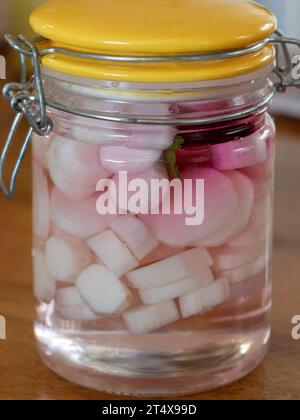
(22, 374)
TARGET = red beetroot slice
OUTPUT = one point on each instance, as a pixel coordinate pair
(220, 204)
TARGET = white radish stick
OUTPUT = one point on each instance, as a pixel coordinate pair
(135, 234)
(75, 167)
(44, 284)
(205, 298)
(113, 253)
(228, 258)
(161, 252)
(176, 289)
(238, 223)
(78, 219)
(103, 292)
(238, 275)
(41, 202)
(71, 306)
(145, 319)
(171, 269)
(40, 146)
(66, 258)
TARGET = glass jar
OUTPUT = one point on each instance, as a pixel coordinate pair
(139, 301)
(153, 168)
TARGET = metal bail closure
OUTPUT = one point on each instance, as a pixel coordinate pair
(27, 98)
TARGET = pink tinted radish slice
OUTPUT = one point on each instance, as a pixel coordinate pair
(78, 219)
(103, 292)
(157, 172)
(240, 153)
(41, 202)
(113, 253)
(228, 258)
(44, 284)
(220, 205)
(245, 191)
(118, 158)
(65, 259)
(145, 319)
(39, 149)
(75, 167)
(175, 289)
(205, 298)
(258, 227)
(238, 275)
(135, 234)
(172, 269)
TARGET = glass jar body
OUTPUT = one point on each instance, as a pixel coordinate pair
(170, 292)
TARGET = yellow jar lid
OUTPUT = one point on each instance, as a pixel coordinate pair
(156, 27)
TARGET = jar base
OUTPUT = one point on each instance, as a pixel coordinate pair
(220, 360)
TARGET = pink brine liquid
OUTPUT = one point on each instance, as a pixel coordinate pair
(144, 303)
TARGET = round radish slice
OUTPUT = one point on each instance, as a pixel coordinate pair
(66, 258)
(228, 258)
(159, 137)
(68, 296)
(241, 153)
(41, 202)
(75, 167)
(137, 200)
(39, 149)
(238, 275)
(258, 227)
(220, 205)
(242, 215)
(70, 305)
(116, 158)
(44, 284)
(78, 219)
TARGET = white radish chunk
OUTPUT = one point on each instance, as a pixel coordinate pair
(77, 313)
(238, 223)
(70, 305)
(117, 158)
(228, 258)
(75, 168)
(135, 234)
(44, 284)
(78, 219)
(176, 289)
(238, 275)
(172, 269)
(205, 298)
(68, 296)
(113, 253)
(40, 146)
(66, 258)
(41, 202)
(145, 319)
(103, 292)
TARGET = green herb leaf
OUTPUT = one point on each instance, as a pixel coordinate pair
(170, 157)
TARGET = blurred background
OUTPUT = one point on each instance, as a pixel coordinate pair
(16, 298)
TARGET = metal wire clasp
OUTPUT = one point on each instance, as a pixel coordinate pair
(28, 99)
